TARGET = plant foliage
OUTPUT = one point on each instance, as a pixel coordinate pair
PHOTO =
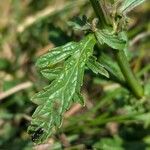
(64, 66)
(128, 5)
(64, 90)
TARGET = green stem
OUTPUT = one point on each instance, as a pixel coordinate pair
(131, 80)
(99, 13)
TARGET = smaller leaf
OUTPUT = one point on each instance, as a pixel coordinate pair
(104, 36)
(96, 67)
(128, 5)
(111, 66)
(51, 73)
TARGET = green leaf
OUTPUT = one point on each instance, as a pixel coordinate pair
(51, 73)
(56, 98)
(105, 36)
(56, 55)
(111, 66)
(128, 5)
(96, 67)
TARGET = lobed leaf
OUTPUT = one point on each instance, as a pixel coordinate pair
(97, 67)
(56, 98)
(128, 5)
(111, 66)
(51, 73)
(114, 41)
(56, 55)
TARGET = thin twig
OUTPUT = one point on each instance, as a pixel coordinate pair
(15, 89)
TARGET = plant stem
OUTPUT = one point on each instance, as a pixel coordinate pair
(131, 80)
(99, 13)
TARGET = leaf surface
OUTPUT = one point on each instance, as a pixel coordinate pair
(51, 73)
(56, 55)
(111, 66)
(97, 67)
(104, 36)
(128, 5)
(56, 98)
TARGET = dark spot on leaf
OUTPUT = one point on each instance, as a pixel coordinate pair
(36, 134)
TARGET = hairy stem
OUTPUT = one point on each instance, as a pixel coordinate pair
(131, 80)
(99, 12)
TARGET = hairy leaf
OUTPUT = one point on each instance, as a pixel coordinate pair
(51, 73)
(56, 55)
(128, 5)
(104, 36)
(56, 98)
(97, 67)
(111, 66)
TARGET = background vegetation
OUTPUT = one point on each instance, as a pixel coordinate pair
(112, 118)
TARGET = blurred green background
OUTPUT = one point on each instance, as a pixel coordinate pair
(111, 119)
